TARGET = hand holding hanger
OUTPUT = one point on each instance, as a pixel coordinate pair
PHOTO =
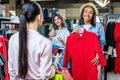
(78, 30)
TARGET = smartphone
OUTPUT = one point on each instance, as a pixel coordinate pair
(58, 51)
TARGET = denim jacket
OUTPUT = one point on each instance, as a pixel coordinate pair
(98, 30)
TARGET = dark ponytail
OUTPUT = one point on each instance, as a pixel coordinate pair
(23, 51)
(29, 11)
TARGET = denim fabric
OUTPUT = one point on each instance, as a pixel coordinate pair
(59, 65)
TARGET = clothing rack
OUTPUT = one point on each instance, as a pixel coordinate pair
(3, 19)
(4, 26)
(3, 59)
(2, 69)
(110, 44)
(112, 17)
(7, 26)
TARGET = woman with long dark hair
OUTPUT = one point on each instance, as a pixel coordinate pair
(30, 53)
(87, 21)
(77, 45)
(88, 13)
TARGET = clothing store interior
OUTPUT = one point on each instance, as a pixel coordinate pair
(108, 16)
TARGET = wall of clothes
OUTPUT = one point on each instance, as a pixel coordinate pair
(112, 48)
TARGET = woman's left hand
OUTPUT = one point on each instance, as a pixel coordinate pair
(57, 57)
(96, 61)
(60, 39)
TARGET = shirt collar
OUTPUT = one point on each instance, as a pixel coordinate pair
(77, 36)
(90, 26)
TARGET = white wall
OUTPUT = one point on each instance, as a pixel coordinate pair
(62, 12)
(116, 10)
(73, 13)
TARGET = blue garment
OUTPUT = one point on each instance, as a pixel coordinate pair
(68, 24)
(45, 14)
(53, 12)
(98, 30)
(60, 63)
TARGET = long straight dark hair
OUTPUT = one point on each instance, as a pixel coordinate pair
(93, 20)
(29, 11)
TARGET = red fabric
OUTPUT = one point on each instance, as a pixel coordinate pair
(117, 39)
(82, 49)
(67, 74)
(54, 50)
(3, 51)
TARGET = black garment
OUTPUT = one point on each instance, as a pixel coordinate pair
(45, 14)
(109, 35)
(46, 30)
(68, 24)
(2, 32)
(110, 66)
(9, 35)
(110, 42)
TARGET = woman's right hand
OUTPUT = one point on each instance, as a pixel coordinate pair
(96, 61)
(76, 30)
(52, 33)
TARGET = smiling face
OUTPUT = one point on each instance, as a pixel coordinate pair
(57, 21)
(88, 14)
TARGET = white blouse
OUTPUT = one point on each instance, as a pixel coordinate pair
(39, 56)
(63, 33)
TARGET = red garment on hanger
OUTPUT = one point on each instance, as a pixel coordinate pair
(117, 39)
(81, 50)
(3, 51)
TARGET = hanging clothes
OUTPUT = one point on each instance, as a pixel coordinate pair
(117, 39)
(53, 12)
(81, 49)
(3, 51)
(110, 47)
(45, 14)
(68, 24)
(109, 36)
(2, 70)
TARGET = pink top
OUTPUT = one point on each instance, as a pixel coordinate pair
(39, 56)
